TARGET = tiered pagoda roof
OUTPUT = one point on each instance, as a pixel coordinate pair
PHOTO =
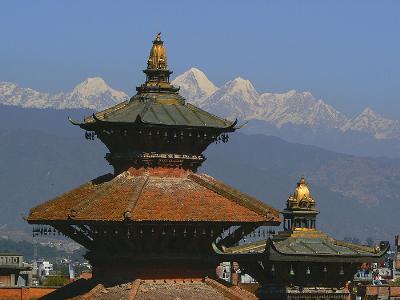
(160, 194)
(302, 241)
(188, 288)
(156, 126)
(157, 110)
(155, 210)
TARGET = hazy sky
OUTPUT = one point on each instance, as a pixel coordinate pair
(345, 52)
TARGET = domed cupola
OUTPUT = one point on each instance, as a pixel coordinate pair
(301, 197)
(300, 209)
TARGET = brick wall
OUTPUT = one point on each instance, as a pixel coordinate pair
(24, 293)
(379, 290)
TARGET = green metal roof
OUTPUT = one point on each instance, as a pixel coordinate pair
(169, 109)
(319, 246)
(313, 249)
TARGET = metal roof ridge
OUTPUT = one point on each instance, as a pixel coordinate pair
(114, 108)
(198, 110)
(238, 197)
(245, 247)
(356, 248)
(182, 114)
(135, 197)
(168, 114)
(308, 247)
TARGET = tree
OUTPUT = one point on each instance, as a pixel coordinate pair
(55, 281)
(396, 281)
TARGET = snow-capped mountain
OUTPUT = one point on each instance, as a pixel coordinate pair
(11, 94)
(235, 99)
(93, 93)
(239, 99)
(195, 85)
(298, 108)
(374, 124)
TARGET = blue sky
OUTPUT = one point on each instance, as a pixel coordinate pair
(345, 52)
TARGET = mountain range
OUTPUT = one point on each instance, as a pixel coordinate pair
(294, 115)
(93, 93)
(239, 99)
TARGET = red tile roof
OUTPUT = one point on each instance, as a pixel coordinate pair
(204, 288)
(158, 194)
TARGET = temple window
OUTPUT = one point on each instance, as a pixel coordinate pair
(305, 223)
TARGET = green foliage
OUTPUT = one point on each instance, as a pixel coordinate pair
(57, 280)
(397, 281)
(61, 269)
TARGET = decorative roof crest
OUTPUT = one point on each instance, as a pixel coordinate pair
(158, 54)
(301, 197)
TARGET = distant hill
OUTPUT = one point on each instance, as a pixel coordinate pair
(25, 248)
(50, 120)
(356, 196)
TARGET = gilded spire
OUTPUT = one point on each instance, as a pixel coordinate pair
(301, 197)
(158, 54)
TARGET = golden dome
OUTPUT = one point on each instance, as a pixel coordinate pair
(302, 192)
(158, 54)
(301, 197)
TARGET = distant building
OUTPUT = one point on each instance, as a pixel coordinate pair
(13, 271)
(396, 258)
(44, 268)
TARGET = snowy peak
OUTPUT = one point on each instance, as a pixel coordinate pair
(235, 99)
(374, 124)
(194, 86)
(369, 113)
(12, 94)
(298, 108)
(93, 93)
(241, 87)
(91, 86)
(96, 86)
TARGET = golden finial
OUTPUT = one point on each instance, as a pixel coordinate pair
(158, 54)
(301, 197)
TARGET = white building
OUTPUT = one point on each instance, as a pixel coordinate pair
(44, 268)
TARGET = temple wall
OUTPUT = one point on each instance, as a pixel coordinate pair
(24, 293)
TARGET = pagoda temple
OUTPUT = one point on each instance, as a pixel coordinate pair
(155, 217)
(301, 261)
